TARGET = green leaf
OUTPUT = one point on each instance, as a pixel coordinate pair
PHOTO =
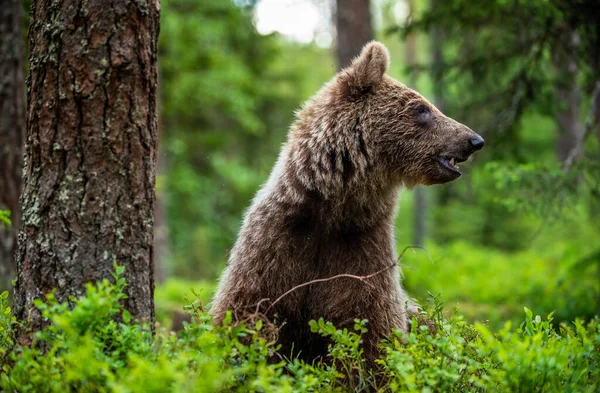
(228, 318)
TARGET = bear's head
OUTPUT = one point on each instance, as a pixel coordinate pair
(371, 124)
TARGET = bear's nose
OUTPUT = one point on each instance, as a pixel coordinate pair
(477, 143)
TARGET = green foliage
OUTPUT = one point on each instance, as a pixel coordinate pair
(170, 295)
(537, 356)
(228, 96)
(546, 190)
(491, 285)
(6, 323)
(96, 347)
(5, 218)
(212, 62)
(504, 82)
(501, 71)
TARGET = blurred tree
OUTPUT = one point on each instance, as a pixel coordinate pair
(420, 207)
(161, 224)
(504, 62)
(506, 69)
(567, 93)
(228, 95)
(353, 29)
(517, 71)
(12, 131)
(436, 39)
(90, 153)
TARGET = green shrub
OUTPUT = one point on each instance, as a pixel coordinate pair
(491, 285)
(170, 295)
(94, 346)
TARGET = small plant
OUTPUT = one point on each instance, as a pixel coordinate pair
(6, 323)
(92, 345)
(5, 218)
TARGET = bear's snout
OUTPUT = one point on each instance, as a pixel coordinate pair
(477, 143)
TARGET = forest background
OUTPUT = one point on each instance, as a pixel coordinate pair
(520, 228)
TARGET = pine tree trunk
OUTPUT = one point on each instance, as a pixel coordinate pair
(12, 130)
(354, 30)
(90, 152)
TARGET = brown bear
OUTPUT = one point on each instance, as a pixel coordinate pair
(329, 204)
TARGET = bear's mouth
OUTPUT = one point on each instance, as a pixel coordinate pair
(451, 163)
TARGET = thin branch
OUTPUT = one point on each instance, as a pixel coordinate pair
(420, 248)
(260, 302)
(590, 126)
(360, 278)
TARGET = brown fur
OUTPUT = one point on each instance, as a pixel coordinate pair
(328, 208)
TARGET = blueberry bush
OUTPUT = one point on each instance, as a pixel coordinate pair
(91, 345)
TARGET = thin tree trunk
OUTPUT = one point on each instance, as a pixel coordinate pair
(420, 217)
(354, 30)
(90, 153)
(420, 205)
(437, 58)
(12, 130)
(161, 224)
(568, 96)
(436, 39)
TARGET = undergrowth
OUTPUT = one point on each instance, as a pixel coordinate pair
(95, 346)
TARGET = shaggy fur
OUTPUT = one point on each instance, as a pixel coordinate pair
(328, 208)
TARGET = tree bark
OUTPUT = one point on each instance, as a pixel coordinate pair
(12, 130)
(90, 153)
(354, 30)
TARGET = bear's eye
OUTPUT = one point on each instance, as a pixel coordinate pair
(422, 113)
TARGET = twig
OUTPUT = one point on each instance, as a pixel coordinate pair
(257, 311)
(590, 125)
(420, 248)
(345, 275)
(360, 278)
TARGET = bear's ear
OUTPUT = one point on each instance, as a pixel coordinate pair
(367, 69)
